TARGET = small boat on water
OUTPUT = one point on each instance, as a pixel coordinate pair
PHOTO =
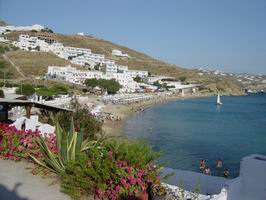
(218, 101)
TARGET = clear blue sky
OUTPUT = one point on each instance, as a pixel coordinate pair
(225, 34)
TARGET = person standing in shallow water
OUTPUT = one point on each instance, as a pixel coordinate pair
(219, 164)
(202, 165)
(226, 173)
(207, 171)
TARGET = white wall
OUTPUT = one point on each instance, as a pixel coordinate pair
(251, 183)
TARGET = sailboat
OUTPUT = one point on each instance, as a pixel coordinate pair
(218, 101)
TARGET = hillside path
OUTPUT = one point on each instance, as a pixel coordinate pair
(14, 65)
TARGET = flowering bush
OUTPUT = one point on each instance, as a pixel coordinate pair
(17, 145)
(128, 181)
(109, 169)
(99, 171)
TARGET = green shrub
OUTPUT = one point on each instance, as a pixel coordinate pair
(137, 153)
(92, 170)
(26, 89)
(110, 172)
(52, 91)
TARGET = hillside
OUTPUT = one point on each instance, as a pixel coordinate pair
(33, 64)
(137, 60)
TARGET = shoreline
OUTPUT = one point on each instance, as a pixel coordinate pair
(123, 112)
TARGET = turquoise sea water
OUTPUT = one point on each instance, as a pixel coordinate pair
(189, 130)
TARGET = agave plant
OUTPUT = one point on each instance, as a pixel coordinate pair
(69, 144)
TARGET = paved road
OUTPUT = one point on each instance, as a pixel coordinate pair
(17, 183)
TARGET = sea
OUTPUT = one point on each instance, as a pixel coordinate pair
(186, 131)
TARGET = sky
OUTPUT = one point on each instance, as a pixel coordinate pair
(220, 34)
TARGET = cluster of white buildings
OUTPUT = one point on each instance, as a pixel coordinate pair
(81, 56)
(73, 75)
(107, 69)
(78, 56)
(245, 79)
(35, 27)
(123, 76)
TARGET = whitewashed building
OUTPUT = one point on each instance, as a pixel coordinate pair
(119, 53)
(74, 52)
(122, 68)
(3, 39)
(153, 79)
(110, 68)
(35, 27)
(26, 42)
(135, 73)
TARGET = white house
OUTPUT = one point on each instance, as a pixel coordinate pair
(112, 68)
(3, 39)
(122, 68)
(153, 79)
(119, 53)
(135, 73)
(74, 52)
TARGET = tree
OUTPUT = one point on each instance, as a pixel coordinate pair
(2, 94)
(156, 83)
(112, 86)
(38, 48)
(183, 78)
(97, 67)
(47, 30)
(137, 79)
(91, 83)
(26, 89)
(82, 119)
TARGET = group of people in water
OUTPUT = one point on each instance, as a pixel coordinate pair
(219, 165)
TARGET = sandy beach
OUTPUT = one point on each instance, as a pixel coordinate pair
(123, 112)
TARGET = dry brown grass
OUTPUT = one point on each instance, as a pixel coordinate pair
(35, 63)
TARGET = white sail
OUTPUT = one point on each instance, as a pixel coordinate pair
(218, 101)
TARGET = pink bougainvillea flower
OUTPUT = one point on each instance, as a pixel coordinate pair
(110, 153)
